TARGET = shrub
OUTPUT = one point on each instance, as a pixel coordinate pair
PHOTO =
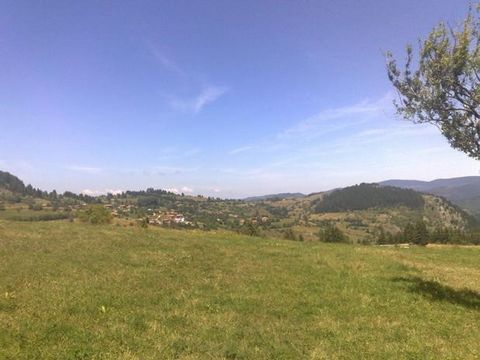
(95, 214)
(252, 230)
(332, 234)
(144, 222)
(289, 234)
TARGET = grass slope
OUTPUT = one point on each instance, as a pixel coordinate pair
(71, 291)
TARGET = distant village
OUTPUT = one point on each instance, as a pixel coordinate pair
(170, 217)
(154, 217)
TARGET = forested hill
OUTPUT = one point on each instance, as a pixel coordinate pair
(366, 196)
(358, 210)
(16, 188)
(11, 182)
(462, 191)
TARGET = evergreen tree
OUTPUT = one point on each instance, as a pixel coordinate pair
(332, 234)
(409, 233)
(420, 233)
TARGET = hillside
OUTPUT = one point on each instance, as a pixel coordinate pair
(367, 196)
(361, 211)
(10, 183)
(462, 191)
(111, 292)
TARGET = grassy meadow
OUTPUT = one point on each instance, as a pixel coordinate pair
(74, 291)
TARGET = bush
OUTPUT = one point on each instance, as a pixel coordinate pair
(95, 214)
(332, 234)
(144, 223)
(252, 230)
(289, 234)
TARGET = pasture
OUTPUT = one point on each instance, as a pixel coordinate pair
(75, 291)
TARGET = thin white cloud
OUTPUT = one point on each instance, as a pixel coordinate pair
(85, 169)
(164, 60)
(241, 149)
(207, 95)
(335, 119)
(347, 119)
(340, 146)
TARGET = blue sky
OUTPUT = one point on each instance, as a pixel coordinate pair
(223, 98)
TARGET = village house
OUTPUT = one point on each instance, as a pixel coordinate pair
(168, 218)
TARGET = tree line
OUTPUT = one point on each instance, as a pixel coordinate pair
(419, 234)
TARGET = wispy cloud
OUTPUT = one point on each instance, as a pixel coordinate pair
(327, 126)
(195, 104)
(241, 149)
(336, 146)
(84, 169)
(165, 61)
(208, 93)
(335, 119)
(169, 170)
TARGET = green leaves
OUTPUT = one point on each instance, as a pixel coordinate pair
(444, 89)
(95, 214)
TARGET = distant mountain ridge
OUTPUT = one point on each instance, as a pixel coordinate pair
(462, 191)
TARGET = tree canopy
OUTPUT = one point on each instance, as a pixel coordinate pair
(444, 89)
(95, 214)
(366, 196)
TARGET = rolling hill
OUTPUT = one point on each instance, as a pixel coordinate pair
(462, 191)
(361, 211)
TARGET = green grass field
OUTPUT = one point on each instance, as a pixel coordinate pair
(72, 291)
